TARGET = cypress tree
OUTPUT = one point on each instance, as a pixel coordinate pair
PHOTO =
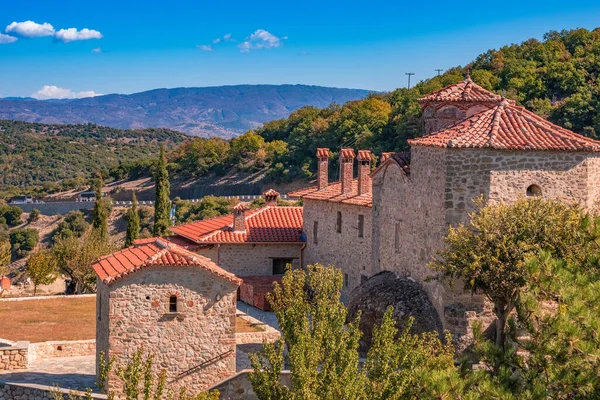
(162, 205)
(100, 212)
(133, 223)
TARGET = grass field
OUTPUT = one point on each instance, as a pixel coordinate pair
(59, 319)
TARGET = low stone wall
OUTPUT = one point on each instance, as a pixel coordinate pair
(238, 386)
(14, 357)
(56, 208)
(29, 391)
(54, 349)
(267, 335)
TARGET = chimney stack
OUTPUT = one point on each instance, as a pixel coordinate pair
(347, 174)
(364, 170)
(271, 197)
(323, 159)
(239, 217)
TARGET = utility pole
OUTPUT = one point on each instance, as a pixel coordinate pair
(409, 75)
(439, 71)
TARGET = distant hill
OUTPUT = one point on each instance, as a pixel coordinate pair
(224, 111)
(44, 158)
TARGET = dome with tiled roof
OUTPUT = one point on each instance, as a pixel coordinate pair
(508, 127)
(464, 91)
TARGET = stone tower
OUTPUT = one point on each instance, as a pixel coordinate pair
(447, 106)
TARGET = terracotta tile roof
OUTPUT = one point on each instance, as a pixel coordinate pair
(264, 225)
(365, 155)
(271, 193)
(333, 193)
(508, 127)
(240, 207)
(465, 91)
(385, 156)
(323, 152)
(178, 240)
(151, 254)
(347, 153)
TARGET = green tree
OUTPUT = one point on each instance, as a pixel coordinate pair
(73, 224)
(41, 268)
(5, 256)
(101, 211)
(23, 240)
(322, 350)
(12, 215)
(489, 254)
(133, 222)
(162, 205)
(34, 215)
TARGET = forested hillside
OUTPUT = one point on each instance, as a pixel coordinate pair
(39, 158)
(558, 78)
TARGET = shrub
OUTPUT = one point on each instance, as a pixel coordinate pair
(23, 240)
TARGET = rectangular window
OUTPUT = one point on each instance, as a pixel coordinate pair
(345, 280)
(361, 226)
(397, 235)
(99, 306)
(173, 304)
(281, 264)
(338, 223)
(316, 232)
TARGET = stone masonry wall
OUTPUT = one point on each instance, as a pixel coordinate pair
(32, 391)
(14, 357)
(203, 328)
(345, 250)
(54, 349)
(252, 259)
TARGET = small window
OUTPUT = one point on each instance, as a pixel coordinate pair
(345, 280)
(99, 306)
(397, 235)
(338, 223)
(281, 264)
(534, 190)
(361, 226)
(173, 304)
(316, 232)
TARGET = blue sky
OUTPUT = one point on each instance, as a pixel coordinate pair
(131, 46)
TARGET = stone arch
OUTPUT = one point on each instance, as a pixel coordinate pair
(373, 297)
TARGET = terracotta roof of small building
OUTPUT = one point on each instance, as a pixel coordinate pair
(178, 240)
(347, 153)
(385, 155)
(271, 193)
(464, 91)
(508, 127)
(333, 193)
(263, 225)
(365, 155)
(154, 254)
(240, 207)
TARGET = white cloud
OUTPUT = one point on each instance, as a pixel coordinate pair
(97, 50)
(227, 37)
(261, 39)
(5, 39)
(217, 40)
(55, 92)
(72, 34)
(205, 47)
(30, 29)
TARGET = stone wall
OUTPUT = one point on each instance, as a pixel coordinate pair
(52, 349)
(345, 249)
(55, 208)
(238, 386)
(267, 334)
(251, 259)
(201, 331)
(14, 357)
(31, 391)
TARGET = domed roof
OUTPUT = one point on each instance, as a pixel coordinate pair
(373, 297)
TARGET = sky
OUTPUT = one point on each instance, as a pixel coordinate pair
(69, 49)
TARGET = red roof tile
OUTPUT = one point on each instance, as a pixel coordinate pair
(240, 207)
(150, 254)
(271, 193)
(323, 153)
(385, 156)
(402, 160)
(264, 225)
(508, 127)
(347, 153)
(178, 240)
(465, 91)
(333, 193)
(365, 155)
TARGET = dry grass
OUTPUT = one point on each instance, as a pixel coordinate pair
(60, 319)
(52, 319)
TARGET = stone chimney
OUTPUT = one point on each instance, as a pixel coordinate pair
(271, 197)
(347, 170)
(323, 159)
(385, 156)
(239, 217)
(364, 170)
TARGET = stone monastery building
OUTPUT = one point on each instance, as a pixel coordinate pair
(476, 144)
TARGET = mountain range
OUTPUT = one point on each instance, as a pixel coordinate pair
(224, 111)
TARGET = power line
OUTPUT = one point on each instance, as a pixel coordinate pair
(439, 71)
(409, 75)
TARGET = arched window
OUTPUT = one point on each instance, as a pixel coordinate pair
(173, 304)
(534, 190)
